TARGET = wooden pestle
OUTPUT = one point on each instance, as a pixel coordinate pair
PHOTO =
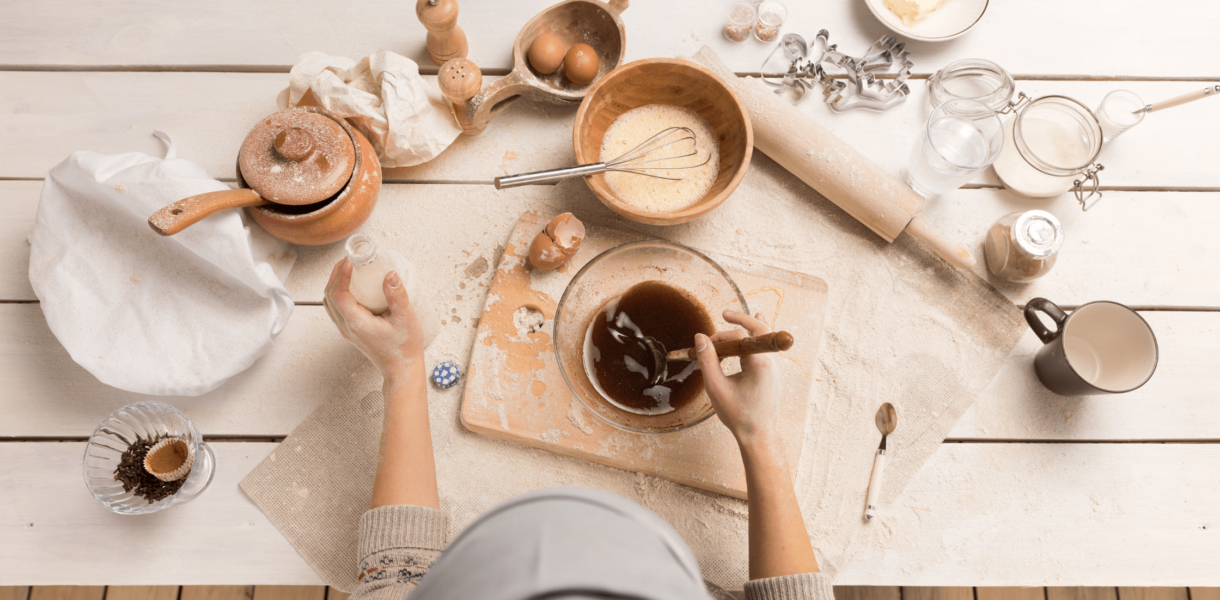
(445, 39)
(836, 170)
(460, 79)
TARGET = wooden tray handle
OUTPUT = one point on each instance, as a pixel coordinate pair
(188, 211)
(618, 6)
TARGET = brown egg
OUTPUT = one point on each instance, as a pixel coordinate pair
(558, 243)
(580, 64)
(546, 53)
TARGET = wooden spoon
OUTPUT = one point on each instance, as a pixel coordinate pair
(771, 342)
(887, 421)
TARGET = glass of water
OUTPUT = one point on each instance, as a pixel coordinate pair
(961, 138)
(1119, 111)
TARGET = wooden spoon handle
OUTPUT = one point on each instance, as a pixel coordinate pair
(188, 211)
(771, 342)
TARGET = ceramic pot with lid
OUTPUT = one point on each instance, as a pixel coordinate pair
(304, 174)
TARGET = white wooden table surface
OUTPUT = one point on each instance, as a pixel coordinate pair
(1114, 491)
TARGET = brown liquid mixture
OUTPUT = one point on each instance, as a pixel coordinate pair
(622, 364)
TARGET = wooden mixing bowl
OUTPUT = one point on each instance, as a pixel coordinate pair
(665, 81)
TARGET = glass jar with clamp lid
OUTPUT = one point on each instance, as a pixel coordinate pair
(1052, 141)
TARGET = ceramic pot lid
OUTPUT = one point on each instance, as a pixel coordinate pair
(297, 156)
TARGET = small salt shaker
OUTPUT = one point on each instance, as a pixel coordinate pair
(742, 16)
(771, 15)
(1022, 247)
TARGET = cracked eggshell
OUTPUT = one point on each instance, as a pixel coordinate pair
(558, 243)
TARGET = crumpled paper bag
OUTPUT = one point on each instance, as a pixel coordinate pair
(384, 97)
(144, 313)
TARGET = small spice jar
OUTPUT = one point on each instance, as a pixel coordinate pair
(742, 16)
(1022, 247)
(771, 15)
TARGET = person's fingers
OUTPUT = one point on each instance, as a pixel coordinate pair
(732, 334)
(334, 277)
(355, 317)
(340, 293)
(330, 311)
(396, 297)
(754, 325)
(757, 363)
(713, 378)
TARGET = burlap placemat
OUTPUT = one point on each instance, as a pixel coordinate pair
(318, 482)
(901, 326)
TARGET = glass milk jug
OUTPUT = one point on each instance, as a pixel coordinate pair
(370, 267)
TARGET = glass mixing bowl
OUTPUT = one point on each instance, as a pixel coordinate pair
(147, 420)
(609, 275)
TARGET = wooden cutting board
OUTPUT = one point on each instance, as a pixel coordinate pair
(515, 392)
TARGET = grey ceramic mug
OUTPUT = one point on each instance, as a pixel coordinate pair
(1101, 348)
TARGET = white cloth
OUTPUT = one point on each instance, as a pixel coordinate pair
(384, 97)
(156, 315)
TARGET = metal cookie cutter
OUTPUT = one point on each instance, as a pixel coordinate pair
(863, 88)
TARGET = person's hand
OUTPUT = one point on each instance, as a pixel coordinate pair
(748, 402)
(393, 342)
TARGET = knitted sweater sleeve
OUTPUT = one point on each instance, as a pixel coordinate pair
(397, 545)
(803, 586)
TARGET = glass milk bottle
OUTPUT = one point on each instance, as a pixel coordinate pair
(1022, 247)
(371, 265)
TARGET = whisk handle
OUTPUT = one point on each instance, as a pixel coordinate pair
(550, 176)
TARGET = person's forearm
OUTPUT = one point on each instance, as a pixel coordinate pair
(779, 544)
(406, 467)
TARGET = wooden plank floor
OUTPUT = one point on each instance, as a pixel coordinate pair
(843, 592)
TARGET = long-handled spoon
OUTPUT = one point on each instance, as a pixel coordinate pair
(1211, 90)
(771, 342)
(887, 420)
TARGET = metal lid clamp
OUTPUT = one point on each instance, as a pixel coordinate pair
(1095, 194)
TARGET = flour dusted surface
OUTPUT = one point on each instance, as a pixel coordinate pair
(634, 127)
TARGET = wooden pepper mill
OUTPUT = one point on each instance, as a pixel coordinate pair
(445, 39)
(460, 79)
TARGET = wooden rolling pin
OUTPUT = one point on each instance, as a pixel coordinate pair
(845, 176)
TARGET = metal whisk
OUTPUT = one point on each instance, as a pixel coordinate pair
(631, 161)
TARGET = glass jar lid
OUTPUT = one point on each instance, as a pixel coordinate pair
(1037, 234)
(974, 79)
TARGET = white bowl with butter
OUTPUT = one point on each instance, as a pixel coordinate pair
(929, 20)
